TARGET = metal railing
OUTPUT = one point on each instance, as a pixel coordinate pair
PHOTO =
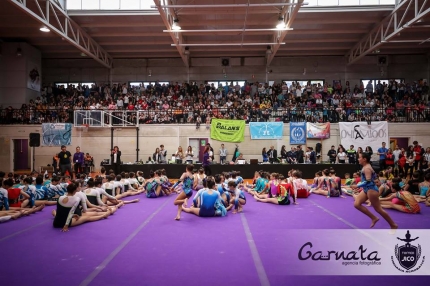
(134, 118)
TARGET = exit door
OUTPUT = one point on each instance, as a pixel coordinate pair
(198, 145)
(21, 155)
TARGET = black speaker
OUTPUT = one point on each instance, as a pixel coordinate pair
(34, 140)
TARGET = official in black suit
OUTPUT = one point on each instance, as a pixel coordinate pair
(273, 155)
(115, 159)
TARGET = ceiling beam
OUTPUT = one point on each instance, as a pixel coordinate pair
(176, 37)
(56, 19)
(405, 14)
(279, 36)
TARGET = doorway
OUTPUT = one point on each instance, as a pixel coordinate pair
(21, 155)
(198, 145)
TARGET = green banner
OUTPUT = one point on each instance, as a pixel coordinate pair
(228, 130)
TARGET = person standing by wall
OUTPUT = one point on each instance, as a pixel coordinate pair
(116, 160)
(207, 161)
(65, 161)
(332, 155)
(273, 155)
(382, 152)
(78, 161)
(223, 154)
(163, 155)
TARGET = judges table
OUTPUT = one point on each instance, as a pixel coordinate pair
(246, 171)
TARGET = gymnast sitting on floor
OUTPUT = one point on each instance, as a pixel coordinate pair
(5, 212)
(400, 200)
(65, 213)
(283, 198)
(300, 186)
(92, 197)
(271, 188)
(187, 181)
(225, 195)
(424, 189)
(198, 179)
(114, 188)
(140, 178)
(210, 200)
(314, 185)
(329, 185)
(260, 183)
(17, 197)
(238, 198)
(235, 176)
(85, 206)
(108, 199)
(128, 188)
(153, 185)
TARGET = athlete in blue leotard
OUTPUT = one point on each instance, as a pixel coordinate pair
(238, 197)
(187, 180)
(370, 192)
(209, 199)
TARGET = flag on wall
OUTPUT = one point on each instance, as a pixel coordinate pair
(318, 130)
(228, 130)
(56, 134)
(360, 134)
(297, 133)
(266, 130)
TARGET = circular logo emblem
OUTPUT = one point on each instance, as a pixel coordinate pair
(297, 134)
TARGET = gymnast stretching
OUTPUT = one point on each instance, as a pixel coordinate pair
(370, 191)
(65, 212)
(187, 180)
(209, 198)
(400, 200)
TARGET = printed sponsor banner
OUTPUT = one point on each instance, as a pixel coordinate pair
(228, 130)
(360, 134)
(266, 130)
(357, 252)
(56, 134)
(297, 133)
(318, 130)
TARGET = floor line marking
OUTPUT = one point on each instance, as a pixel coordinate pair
(24, 230)
(114, 253)
(264, 281)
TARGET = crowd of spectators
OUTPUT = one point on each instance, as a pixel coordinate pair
(198, 103)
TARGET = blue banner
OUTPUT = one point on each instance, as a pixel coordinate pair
(266, 130)
(297, 133)
(56, 134)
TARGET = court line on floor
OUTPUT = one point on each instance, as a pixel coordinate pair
(114, 253)
(24, 230)
(262, 275)
(349, 224)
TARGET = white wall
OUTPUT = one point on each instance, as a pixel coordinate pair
(14, 73)
(410, 67)
(97, 141)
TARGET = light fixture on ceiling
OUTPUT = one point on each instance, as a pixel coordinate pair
(83, 54)
(187, 50)
(18, 52)
(175, 25)
(281, 24)
(269, 50)
(45, 29)
(149, 73)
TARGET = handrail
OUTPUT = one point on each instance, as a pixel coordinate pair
(133, 118)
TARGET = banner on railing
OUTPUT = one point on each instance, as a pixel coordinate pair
(228, 130)
(266, 130)
(361, 134)
(318, 130)
(56, 134)
(297, 133)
